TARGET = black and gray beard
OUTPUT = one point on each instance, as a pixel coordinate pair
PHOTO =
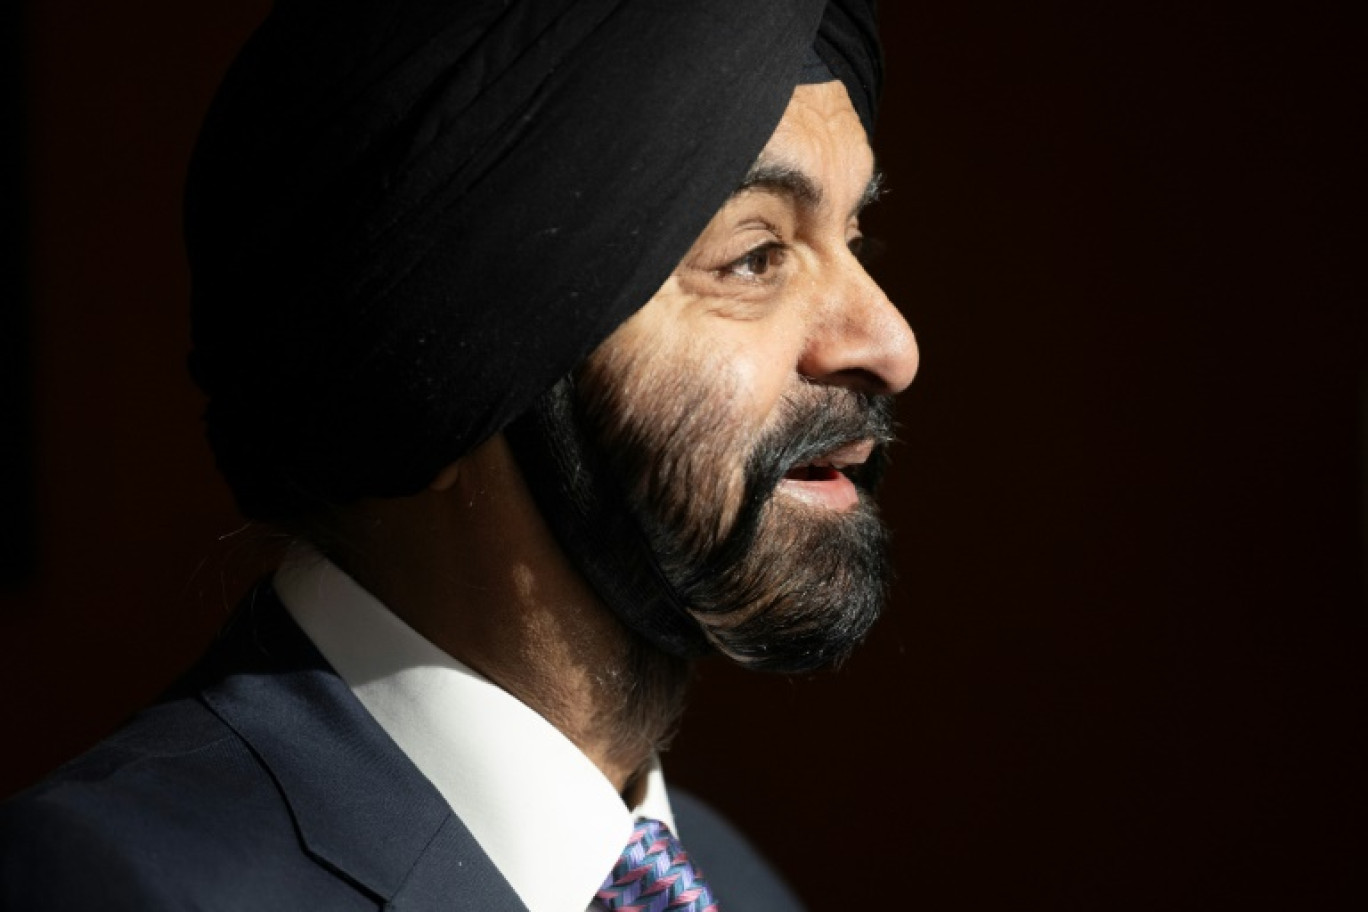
(668, 503)
(779, 584)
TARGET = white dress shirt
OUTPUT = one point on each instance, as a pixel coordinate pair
(546, 816)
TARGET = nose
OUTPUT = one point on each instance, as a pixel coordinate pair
(859, 339)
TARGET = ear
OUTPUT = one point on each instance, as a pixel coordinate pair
(446, 478)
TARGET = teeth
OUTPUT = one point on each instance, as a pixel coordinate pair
(851, 454)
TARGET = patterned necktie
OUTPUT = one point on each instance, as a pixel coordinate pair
(654, 874)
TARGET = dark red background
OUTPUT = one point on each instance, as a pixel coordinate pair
(1123, 668)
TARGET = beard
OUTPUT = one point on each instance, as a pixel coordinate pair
(669, 502)
(776, 583)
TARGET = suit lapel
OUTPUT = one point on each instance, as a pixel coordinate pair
(361, 807)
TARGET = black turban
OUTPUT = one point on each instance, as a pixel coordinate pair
(407, 220)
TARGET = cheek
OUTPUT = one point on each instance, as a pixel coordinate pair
(699, 385)
(761, 369)
(748, 363)
(743, 384)
(682, 408)
(746, 394)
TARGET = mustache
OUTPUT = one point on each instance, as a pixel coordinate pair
(814, 422)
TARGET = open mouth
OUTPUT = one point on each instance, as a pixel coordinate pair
(813, 473)
(823, 481)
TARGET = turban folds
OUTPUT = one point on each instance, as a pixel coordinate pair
(408, 220)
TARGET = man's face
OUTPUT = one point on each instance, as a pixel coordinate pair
(745, 407)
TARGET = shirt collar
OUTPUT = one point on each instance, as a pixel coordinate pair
(546, 816)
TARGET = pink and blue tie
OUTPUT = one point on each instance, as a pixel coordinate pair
(654, 874)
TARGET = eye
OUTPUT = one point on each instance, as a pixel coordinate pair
(866, 249)
(757, 263)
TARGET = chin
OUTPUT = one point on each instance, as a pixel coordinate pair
(796, 592)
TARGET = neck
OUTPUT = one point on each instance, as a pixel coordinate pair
(470, 565)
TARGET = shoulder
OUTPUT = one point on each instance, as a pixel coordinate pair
(164, 814)
(740, 876)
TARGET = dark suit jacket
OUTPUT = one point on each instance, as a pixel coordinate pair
(260, 783)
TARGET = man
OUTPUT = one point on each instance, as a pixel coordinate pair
(541, 327)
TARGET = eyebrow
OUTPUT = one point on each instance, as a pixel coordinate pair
(786, 180)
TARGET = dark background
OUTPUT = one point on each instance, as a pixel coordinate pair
(1123, 668)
